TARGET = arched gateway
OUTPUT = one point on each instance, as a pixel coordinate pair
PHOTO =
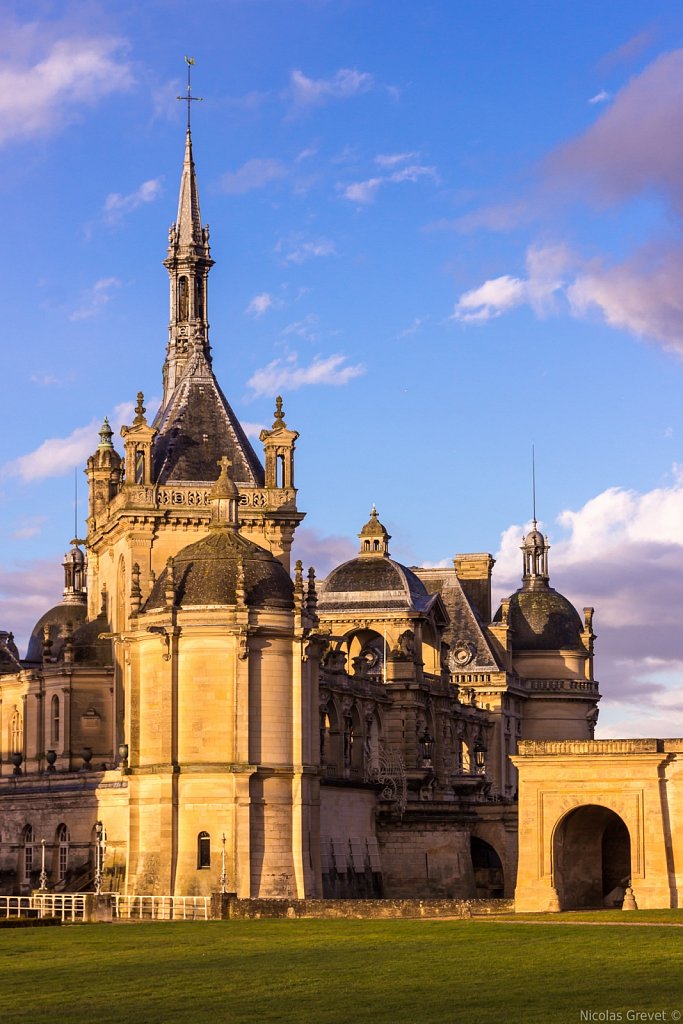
(591, 858)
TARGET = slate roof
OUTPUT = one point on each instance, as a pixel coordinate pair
(465, 621)
(55, 618)
(197, 427)
(206, 574)
(543, 620)
(374, 583)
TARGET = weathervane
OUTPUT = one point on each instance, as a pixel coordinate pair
(188, 99)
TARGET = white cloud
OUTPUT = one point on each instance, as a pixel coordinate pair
(58, 455)
(93, 299)
(304, 92)
(259, 305)
(600, 97)
(287, 374)
(413, 327)
(364, 192)
(116, 206)
(253, 174)
(539, 289)
(41, 92)
(45, 380)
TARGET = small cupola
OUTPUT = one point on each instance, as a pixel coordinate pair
(535, 559)
(224, 499)
(74, 575)
(374, 539)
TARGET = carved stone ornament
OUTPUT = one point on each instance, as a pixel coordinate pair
(462, 653)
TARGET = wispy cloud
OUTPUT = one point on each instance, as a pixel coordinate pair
(322, 551)
(41, 92)
(365, 192)
(116, 205)
(414, 327)
(306, 328)
(27, 590)
(31, 526)
(600, 97)
(95, 298)
(303, 92)
(253, 174)
(259, 305)
(297, 249)
(287, 374)
(45, 380)
(252, 430)
(394, 159)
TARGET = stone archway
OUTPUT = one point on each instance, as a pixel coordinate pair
(488, 870)
(592, 858)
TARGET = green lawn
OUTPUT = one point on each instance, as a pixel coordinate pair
(350, 972)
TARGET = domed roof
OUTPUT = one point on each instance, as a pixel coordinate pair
(367, 583)
(56, 618)
(205, 573)
(542, 620)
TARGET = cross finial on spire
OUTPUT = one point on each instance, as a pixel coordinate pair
(224, 464)
(188, 99)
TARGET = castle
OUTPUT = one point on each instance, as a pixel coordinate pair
(197, 714)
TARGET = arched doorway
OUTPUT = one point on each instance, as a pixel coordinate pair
(488, 870)
(592, 858)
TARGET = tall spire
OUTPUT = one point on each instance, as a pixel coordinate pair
(188, 264)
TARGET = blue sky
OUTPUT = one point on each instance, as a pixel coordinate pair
(443, 231)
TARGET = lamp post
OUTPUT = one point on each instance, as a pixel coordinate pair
(224, 879)
(480, 758)
(426, 749)
(99, 832)
(43, 874)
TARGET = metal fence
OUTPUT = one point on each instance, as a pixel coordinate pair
(161, 908)
(66, 906)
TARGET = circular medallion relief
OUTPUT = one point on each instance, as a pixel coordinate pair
(463, 652)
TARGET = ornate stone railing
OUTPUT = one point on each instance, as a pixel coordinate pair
(199, 497)
(586, 686)
(531, 748)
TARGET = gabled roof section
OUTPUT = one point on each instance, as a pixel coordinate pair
(196, 428)
(465, 623)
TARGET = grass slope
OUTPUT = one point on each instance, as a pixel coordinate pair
(336, 972)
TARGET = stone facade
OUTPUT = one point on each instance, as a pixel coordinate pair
(195, 716)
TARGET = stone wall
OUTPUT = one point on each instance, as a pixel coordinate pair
(226, 906)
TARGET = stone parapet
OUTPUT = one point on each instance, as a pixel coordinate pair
(535, 748)
(225, 906)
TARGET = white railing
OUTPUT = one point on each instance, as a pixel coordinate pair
(67, 907)
(161, 908)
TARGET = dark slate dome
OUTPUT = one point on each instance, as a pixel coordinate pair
(377, 582)
(543, 620)
(205, 573)
(56, 618)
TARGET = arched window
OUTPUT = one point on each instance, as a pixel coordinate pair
(203, 850)
(63, 840)
(16, 744)
(54, 719)
(28, 852)
(139, 465)
(183, 299)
